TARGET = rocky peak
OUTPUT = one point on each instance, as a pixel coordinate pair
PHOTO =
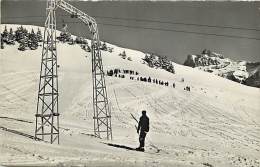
(206, 58)
(241, 71)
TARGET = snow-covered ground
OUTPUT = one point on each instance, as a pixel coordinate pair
(217, 123)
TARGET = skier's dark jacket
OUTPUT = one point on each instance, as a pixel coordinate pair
(143, 124)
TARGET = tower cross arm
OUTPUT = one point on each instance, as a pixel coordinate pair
(88, 20)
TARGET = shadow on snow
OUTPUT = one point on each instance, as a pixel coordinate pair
(120, 146)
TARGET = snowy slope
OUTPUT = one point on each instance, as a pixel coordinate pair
(215, 124)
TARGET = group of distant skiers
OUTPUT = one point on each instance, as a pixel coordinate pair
(187, 88)
(117, 73)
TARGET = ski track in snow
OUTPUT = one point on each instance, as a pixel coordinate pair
(187, 128)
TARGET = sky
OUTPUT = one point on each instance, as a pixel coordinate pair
(172, 29)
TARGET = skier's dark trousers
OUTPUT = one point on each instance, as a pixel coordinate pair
(143, 125)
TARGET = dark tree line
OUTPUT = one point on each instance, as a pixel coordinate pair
(66, 37)
(30, 40)
(26, 40)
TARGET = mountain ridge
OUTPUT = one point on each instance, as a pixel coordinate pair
(243, 72)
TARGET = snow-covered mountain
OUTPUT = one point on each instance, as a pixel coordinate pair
(216, 123)
(239, 71)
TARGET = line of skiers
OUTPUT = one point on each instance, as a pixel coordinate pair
(150, 80)
(118, 71)
(120, 74)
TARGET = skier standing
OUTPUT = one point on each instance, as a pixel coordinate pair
(143, 125)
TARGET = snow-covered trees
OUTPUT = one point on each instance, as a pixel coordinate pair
(8, 37)
(123, 55)
(78, 40)
(39, 35)
(2, 42)
(159, 62)
(71, 41)
(150, 59)
(11, 37)
(104, 46)
(85, 47)
(88, 49)
(166, 64)
(81, 40)
(5, 34)
(33, 41)
(64, 37)
(21, 35)
(23, 38)
(22, 45)
(30, 39)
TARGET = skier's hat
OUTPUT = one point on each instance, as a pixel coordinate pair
(143, 112)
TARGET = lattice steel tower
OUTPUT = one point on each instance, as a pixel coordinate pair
(47, 117)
